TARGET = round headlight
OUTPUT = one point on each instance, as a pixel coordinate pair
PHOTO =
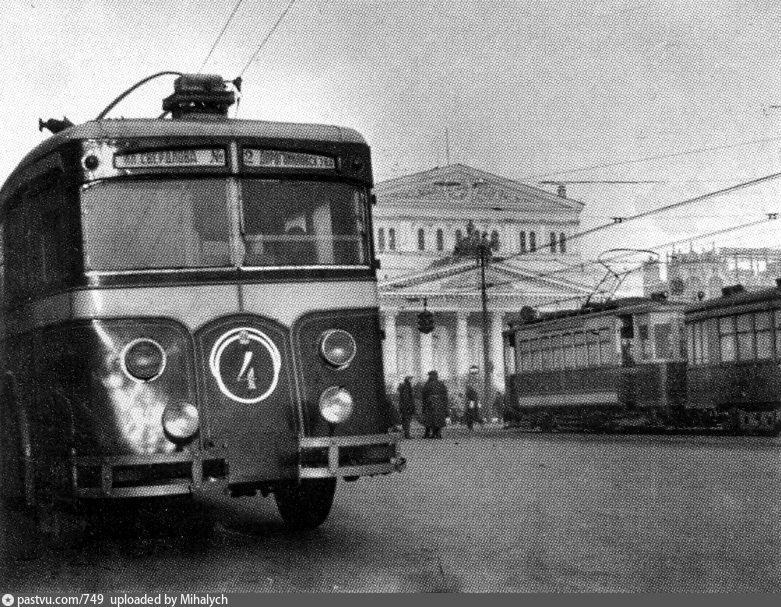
(180, 421)
(336, 404)
(144, 359)
(337, 347)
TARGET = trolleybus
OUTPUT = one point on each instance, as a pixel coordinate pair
(190, 304)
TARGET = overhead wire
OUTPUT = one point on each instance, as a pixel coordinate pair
(267, 36)
(220, 35)
(608, 165)
(569, 267)
(661, 209)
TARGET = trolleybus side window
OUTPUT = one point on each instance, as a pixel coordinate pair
(156, 224)
(303, 223)
(727, 344)
(42, 251)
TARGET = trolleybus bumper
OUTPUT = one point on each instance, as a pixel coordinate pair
(349, 456)
(145, 475)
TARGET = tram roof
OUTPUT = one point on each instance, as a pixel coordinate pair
(616, 307)
(736, 299)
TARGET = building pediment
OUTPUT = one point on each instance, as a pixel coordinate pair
(462, 186)
(464, 277)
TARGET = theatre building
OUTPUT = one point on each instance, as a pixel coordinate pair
(420, 219)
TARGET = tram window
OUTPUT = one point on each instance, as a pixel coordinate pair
(693, 345)
(581, 354)
(558, 354)
(663, 340)
(545, 352)
(763, 335)
(303, 223)
(777, 323)
(745, 337)
(156, 224)
(645, 344)
(698, 351)
(727, 338)
(606, 349)
(568, 350)
(592, 339)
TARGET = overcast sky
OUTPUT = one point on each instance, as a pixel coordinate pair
(529, 90)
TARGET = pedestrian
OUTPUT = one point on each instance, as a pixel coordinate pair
(499, 406)
(406, 404)
(471, 406)
(435, 405)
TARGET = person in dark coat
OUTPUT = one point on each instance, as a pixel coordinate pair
(406, 404)
(471, 406)
(435, 405)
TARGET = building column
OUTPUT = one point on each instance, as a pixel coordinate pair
(497, 349)
(426, 355)
(462, 345)
(390, 348)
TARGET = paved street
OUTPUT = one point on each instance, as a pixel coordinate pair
(495, 511)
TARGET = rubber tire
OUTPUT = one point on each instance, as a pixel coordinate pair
(306, 504)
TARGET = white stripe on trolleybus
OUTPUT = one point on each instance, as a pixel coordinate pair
(553, 400)
(196, 305)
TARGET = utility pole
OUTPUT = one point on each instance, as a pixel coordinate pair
(484, 254)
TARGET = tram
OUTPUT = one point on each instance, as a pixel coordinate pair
(616, 366)
(190, 305)
(734, 346)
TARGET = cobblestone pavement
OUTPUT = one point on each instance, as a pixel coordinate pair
(495, 510)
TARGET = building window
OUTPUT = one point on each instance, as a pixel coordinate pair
(532, 242)
(494, 240)
(440, 240)
(392, 239)
(421, 240)
(522, 242)
(552, 242)
(381, 239)
(562, 243)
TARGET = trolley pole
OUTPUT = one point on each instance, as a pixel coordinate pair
(484, 253)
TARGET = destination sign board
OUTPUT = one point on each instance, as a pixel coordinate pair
(286, 160)
(213, 157)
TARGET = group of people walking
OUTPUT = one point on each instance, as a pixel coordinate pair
(436, 406)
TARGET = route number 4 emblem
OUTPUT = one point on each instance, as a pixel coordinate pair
(247, 373)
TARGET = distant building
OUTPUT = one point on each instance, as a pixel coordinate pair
(420, 219)
(700, 275)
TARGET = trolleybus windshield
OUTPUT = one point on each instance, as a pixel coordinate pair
(185, 223)
(303, 223)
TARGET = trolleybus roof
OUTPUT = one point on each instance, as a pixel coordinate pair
(195, 128)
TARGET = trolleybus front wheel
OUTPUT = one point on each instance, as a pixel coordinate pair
(306, 504)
